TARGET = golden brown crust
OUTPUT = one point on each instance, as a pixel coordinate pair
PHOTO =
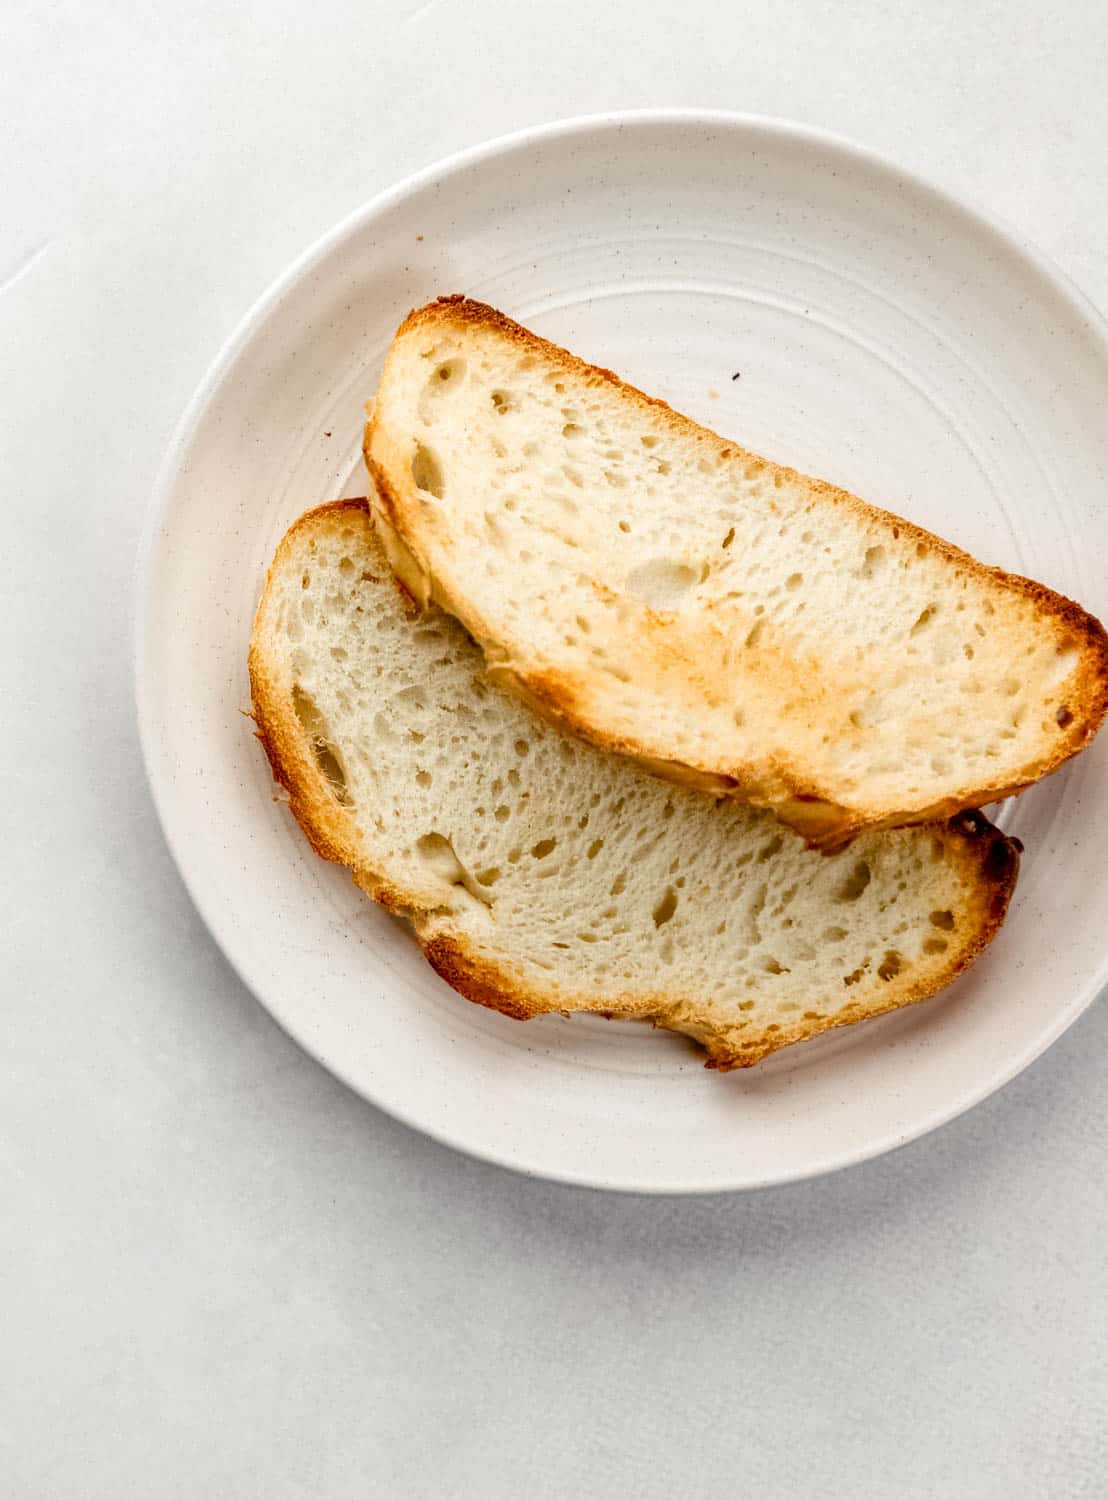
(325, 825)
(793, 795)
(987, 860)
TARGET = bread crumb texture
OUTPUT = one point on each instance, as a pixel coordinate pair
(650, 586)
(542, 874)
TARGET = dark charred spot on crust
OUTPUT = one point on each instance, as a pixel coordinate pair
(1002, 860)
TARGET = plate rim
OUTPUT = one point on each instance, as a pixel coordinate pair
(158, 507)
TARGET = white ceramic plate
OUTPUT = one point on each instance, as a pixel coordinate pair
(796, 293)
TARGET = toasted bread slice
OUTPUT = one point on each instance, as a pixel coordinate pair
(541, 874)
(730, 623)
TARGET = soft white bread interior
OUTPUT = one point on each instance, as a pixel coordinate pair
(541, 874)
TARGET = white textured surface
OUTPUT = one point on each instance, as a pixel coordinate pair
(223, 1275)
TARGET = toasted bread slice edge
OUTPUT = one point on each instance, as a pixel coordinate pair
(793, 796)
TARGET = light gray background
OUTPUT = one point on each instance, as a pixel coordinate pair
(220, 1273)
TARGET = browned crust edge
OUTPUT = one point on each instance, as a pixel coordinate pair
(795, 798)
(988, 859)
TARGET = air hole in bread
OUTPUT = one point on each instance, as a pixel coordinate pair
(834, 934)
(855, 883)
(660, 583)
(648, 440)
(936, 945)
(444, 380)
(924, 619)
(625, 526)
(543, 848)
(441, 858)
(412, 697)
(728, 539)
(767, 851)
(666, 907)
(572, 430)
(594, 848)
(1065, 659)
(326, 757)
(774, 966)
(943, 919)
(890, 966)
(872, 563)
(427, 472)
(503, 402)
(753, 634)
(794, 580)
(1063, 718)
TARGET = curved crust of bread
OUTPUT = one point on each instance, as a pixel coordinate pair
(989, 862)
(793, 794)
